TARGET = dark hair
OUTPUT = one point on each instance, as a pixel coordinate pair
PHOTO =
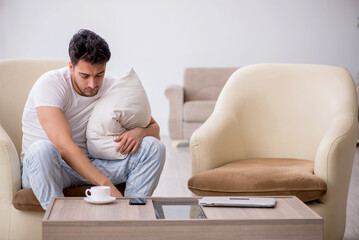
(88, 46)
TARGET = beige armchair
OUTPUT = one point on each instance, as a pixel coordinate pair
(357, 88)
(192, 103)
(281, 113)
(21, 213)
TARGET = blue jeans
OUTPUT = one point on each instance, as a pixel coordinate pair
(47, 174)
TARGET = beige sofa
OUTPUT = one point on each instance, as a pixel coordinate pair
(20, 211)
(192, 103)
(16, 80)
(281, 112)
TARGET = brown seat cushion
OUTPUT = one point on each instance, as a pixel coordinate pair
(261, 177)
(25, 199)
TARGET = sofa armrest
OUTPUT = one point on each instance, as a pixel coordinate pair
(216, 142)
(175, 95)
(10, 179)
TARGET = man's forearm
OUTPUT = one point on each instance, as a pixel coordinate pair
(79, 162)
(153, 130)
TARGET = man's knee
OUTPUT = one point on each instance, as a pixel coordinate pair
(155, 148)
(42, 150)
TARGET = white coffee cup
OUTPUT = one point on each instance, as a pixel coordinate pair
(98, 193)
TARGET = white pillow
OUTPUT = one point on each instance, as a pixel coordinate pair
(122, 107)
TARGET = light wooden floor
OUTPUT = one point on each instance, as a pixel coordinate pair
(352, 225)
(177, 171)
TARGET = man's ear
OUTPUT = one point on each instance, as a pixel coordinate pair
(71, 67)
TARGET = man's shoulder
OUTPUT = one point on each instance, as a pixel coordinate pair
(55, 82)
(57, 77)
(56, 73)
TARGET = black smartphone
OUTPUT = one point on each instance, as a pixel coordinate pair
(137, 201)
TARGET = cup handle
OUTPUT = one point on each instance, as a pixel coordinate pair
(87, 192)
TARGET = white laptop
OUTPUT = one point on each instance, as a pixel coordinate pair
(237, 202)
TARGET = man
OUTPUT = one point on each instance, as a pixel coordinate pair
(54, 131)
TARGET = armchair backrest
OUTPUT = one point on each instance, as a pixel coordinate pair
(205, 83)
(283, 110)
(16, 80)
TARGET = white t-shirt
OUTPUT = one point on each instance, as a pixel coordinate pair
(54, 89)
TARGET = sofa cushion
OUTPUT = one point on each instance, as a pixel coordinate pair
(261, 177)
(122, 107)
(25, 199)
(197, 111)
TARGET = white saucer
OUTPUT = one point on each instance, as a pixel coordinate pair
(107, 200)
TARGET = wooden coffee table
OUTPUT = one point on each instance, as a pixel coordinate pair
(73, 218)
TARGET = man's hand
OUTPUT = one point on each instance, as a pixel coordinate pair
(115, 192)
(130, 141)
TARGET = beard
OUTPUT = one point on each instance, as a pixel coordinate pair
(87, 91)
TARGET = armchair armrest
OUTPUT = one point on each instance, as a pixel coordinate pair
(216, 142)
(337, 140)
(335, 155)
(9, 168)
(333, 163)
(175, 95)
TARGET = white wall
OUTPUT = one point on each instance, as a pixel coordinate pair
(160, 38)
